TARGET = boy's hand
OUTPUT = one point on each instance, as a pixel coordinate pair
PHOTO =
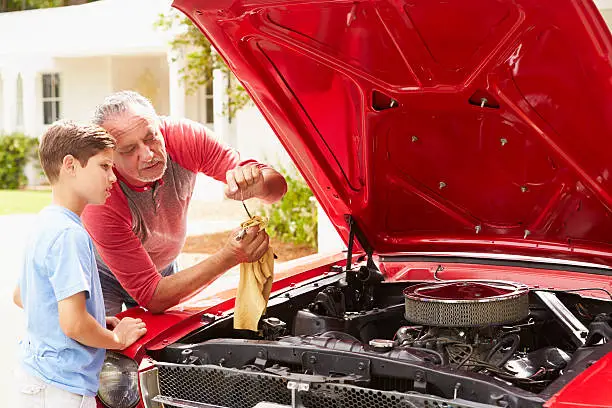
(128, 330)
(111, 322)
(17, 297)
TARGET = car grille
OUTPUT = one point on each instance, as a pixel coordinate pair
(233, 388)
(221, 386)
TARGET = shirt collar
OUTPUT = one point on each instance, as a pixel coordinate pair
(64, 210)
(138, 189)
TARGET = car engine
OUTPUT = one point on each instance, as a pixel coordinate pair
(470, 325)
(461, 343)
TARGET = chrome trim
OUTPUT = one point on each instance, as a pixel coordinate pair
(519, 290)
(576, 328)
(501, 257)
(183, 403)
(149, 388)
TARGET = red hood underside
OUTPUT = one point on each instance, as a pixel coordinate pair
(454, 125)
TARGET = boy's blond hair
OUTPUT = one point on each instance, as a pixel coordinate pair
(66, 137)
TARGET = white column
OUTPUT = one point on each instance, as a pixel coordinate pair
(9, 101)
(31, 122)
(220, 100)
(177, 87)
(206, 188)
(328, 238)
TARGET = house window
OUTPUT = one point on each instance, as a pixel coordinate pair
(200, 105)
(208, 98)
(51, 98)
(19, 121)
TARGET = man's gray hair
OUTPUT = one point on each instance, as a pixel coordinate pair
(118, 103)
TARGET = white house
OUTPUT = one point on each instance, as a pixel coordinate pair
(61, 62)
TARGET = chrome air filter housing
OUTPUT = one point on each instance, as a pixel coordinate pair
(466, 303)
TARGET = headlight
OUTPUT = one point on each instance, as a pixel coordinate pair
(118, 381)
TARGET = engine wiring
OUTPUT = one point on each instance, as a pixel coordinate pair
(463, 355)
(583, 311)
(576, 290)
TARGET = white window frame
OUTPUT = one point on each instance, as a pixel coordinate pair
(55, 98)
(209, 103)
(204, 97)
(19, 99)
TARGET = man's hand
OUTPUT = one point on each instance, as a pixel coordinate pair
(244, 182)
(250, 248)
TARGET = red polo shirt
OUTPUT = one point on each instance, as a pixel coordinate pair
(140, 231)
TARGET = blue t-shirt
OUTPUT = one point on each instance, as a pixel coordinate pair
(60, 262)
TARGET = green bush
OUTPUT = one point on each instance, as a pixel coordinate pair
(15, 151)
(294, 218)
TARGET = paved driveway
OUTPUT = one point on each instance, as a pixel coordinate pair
(13, 233)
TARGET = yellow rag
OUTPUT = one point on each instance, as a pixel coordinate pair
(254, 286)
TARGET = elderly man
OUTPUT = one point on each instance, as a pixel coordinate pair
(141, 229)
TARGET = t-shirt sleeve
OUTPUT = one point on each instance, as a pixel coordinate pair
(69, 263)
(195, 147)
(122, 251)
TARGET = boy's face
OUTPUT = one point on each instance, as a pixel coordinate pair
(94, 181)
(140, 155)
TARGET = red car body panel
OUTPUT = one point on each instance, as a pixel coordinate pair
(166, 328)
(439, 126)
(591, 388)
(379, 105)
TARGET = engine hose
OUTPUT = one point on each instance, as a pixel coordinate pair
(441, 358)
(510, 340)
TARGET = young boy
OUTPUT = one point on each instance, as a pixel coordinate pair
(59, 288)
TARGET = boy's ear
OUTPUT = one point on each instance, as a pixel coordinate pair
(68, 164)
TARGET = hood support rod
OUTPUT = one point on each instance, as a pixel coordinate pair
(355, 231)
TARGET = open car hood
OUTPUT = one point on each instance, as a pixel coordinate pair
(446, 126)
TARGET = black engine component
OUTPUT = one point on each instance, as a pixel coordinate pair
(329, 302)
(273, 328)
(365, 325)
(600, 329)
(358, 287)
(540, 364)
(343, 343)
(504, 349)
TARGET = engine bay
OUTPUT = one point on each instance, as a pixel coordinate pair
(464, 343)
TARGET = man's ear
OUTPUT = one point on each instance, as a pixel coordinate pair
(69, 164)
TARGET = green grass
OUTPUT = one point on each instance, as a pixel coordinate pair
(23, 201)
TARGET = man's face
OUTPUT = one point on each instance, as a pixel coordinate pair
(140, 155)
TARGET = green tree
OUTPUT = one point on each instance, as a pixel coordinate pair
(17, 5)
(294, 218)
(15, 151)
(201, 60)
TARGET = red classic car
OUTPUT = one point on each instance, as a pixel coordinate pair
(463, 150)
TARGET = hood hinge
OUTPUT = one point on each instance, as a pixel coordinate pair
(355, 231)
